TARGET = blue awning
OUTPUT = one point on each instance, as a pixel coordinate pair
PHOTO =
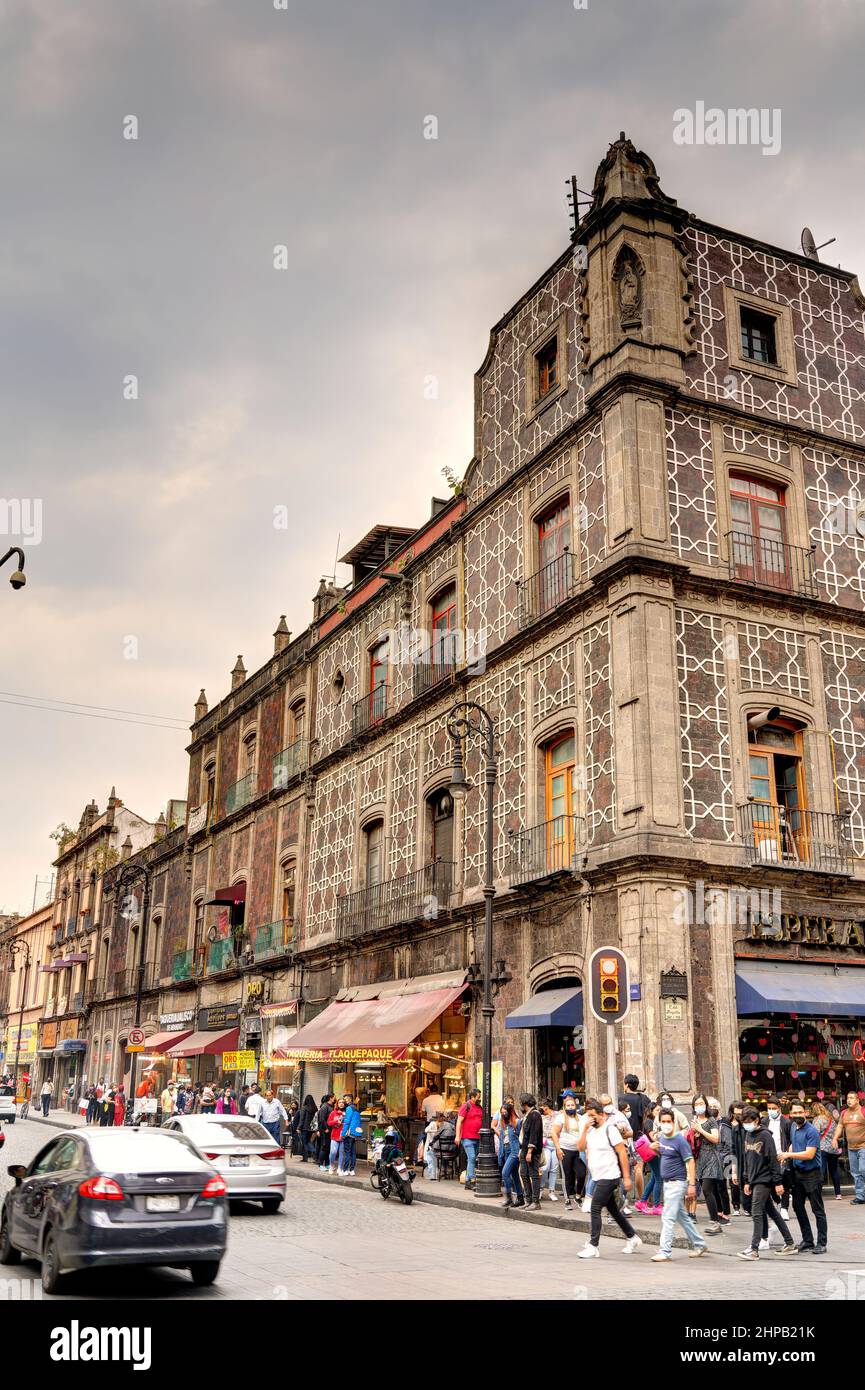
(552, 1008)
(70, 1045)
(777, 987)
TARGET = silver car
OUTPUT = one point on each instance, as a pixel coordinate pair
(246, 1155)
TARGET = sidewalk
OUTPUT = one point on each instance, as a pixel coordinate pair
(58, 1119)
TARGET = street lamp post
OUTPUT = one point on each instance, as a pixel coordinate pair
(467, 720)
(18, 948)
(126, 877)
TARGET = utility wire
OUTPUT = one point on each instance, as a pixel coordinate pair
(111, 718)
(80, 704)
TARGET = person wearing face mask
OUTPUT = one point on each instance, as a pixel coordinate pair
(736, 1143)
(778, 1125)
(565, 1136)
(678, 1171)
(762, 1182)
(665, 1102)
(531, 1147)
(710, 1169)
(803, 1159)
(607, 1160)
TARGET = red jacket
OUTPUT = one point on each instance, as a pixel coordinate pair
(334, 1123)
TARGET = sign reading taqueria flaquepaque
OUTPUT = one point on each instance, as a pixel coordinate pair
(345, 1054)
(799, 928)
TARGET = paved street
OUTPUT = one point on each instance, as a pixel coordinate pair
(333, 1242)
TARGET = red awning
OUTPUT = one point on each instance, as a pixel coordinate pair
(196, 1044)
(160, 1042)
(225, 897)
(379, 1029)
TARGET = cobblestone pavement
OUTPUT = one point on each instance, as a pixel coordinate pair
(333, 1241)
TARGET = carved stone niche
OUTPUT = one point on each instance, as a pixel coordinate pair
(628, 276)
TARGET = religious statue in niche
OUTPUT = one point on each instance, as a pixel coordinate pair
(628, 279)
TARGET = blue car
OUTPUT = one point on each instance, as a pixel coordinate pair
(123, 1196)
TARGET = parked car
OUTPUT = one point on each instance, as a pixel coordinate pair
(7, 1105)
(115, 1197)
(245, 1154)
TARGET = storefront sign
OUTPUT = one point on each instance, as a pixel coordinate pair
(49, 1035)
(287, 1009)
(218, 1016)
(238, 1061)
(254, 989)
(674, 1011)
(171, 1023)
(800, 928)
(346, 1054)
(68, 1029)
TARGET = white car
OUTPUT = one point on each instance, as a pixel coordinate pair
(7, 1105)
(244, 1153)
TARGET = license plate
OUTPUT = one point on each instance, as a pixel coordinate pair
(162, 1204)
(238, 1161)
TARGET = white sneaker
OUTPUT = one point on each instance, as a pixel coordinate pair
(764, 1245)
(553, 1197)
(631, 1245)
(587, 1204)
(588, 1252)
(660, 1258)
(627, 1211)
(785, 1215)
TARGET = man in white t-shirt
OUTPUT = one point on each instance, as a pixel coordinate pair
(607, 1160)
(433, 1104)
(255, 1103)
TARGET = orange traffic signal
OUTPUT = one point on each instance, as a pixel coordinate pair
(609, 981)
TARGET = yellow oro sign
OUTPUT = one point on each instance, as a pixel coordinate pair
(134, 1047)
(238, 1061)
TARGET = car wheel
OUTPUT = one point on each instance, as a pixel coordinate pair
(8, 1253)
(270, 1205)
(52, 1280)
(204, 1272)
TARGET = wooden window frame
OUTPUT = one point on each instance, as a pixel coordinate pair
(534, 402)
(784, 369)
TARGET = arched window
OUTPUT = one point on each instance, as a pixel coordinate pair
(289, 881)
(250, 745)
(560, 787)
(555, 563)
(441, 814)
(759, 540)
(298, 721)
(373, 854)
(210, 789)
(778, 795)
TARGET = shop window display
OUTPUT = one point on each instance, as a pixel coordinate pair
(813, 1059)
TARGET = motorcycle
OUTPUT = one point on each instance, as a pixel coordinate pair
(390, 1173)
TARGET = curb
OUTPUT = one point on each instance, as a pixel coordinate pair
(48, 1120)
(489, 1207)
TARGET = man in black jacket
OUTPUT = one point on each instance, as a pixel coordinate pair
(531, 1148)
(762, 1173)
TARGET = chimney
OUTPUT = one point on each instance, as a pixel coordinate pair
(238, 675)
(126, 847)
(200, 706)
(281, 637)
(159, 830)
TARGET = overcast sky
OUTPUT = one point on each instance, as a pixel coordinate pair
(305, 386)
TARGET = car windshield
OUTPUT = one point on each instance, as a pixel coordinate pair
(212, 1131)
(116, 1151)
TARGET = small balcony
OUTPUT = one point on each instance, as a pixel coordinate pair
(423, 895)
(290, 763)
(221, 956)
(76, 1003)
(818, 841)
(771, 564)
(273, 940)
(184, 967)
(549, 587)
(554, 847)
(95, 990)
(241, 793)
(370, 710)
(438, 667)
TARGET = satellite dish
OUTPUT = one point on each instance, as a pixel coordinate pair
(809, 245)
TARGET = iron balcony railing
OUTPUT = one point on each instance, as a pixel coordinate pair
(796, 839)
(59, 935)
(290, 763)
(370, 709)
(553, 847)
(76, 1003)
(424, 894)
(437, 665)
(543, 591)
(221, 955)
(184, 966)
(772, 563)
(273, 939)
(241, 793)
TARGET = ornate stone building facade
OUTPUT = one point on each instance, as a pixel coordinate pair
(652, 579)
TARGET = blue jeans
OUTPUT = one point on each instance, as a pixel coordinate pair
(335, 1147)
(347, 1157)
(273, 1128)
(471, 1152)
(857, 1170)
(552, 1173)
(654, 1187)
(675, 1192)
(510, 1167)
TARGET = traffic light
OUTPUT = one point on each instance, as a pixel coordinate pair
(609, 988)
